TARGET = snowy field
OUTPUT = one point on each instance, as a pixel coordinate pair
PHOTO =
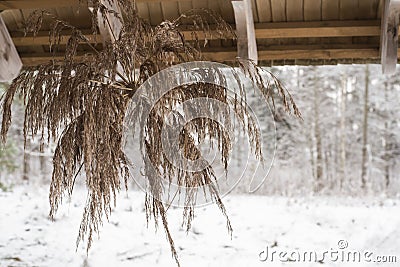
(310, 224)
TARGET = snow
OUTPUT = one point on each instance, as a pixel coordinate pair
(29, 238)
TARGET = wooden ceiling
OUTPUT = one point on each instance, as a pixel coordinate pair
(287, 31)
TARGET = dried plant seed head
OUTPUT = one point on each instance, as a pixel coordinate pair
(82, 104)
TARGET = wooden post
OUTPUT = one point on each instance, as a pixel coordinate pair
(10, 62)
(390, 35)
(246, 38)
(110, 28)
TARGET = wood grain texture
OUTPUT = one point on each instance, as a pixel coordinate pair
(367, 9)
(143, 11)
(170, 10)
(312, 10)
(246, 39)
(278, 8)
(330, 10)
(36, 4)
(281, 30)
(226, 10)
(156, 14)
(349, 9)
(229, 55)
(390, 36)
(294, 10)
(10, 62)
(264, 10)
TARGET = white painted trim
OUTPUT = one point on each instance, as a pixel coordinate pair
(389, 35)
(10, 62)
(246, 38)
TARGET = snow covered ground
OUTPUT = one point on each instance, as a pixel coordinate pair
(283, 225)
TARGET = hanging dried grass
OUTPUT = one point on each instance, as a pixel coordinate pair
(82, 105)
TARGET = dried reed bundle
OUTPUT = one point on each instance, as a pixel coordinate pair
(82, 106)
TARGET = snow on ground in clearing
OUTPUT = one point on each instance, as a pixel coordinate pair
(309, 224)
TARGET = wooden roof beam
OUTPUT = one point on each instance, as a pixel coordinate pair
(111, 26)
(37, 4)
(10, 62)
(317, 29)
(278, 53)
(390, 35)
(262, 31)
(301, 53)
(246, 37)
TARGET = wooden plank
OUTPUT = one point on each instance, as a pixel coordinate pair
(246, 38)
(170, 10)
(320, 54)
(155, 11)
(330, 10)
(230, 55)
(213, 5)
(143, 11)
(278, 9)
(10, 62)
(110, 27)
(317, 29)
(367, 9)
(294, 10)
(348, 9)
(37, 59)
(37, 4)
(262, 31)
(326, 54)
(13, 19)
(164, 1)
(264, 10)
(312, 10)
(379, 12)
(200, 4)
(318, 46)
(254, 10)
(42, 38)
(80, 18)
(65, 13)
(390, 36)
(226, 11)
(184, 7)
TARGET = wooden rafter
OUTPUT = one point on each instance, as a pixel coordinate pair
(390, 36)
(10, 62)
(336, 45)
(316, 29)
(317, 52)
(37, 4)
(262, 31)
(246, 37)
(111, 26)
(294, 54)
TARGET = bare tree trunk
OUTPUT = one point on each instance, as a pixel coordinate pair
(343, 94)
(312, 154)
(318, 141)
(328, 173)
(336, 147)
(386, 144)
(365, 132)
(309, 134)
(42, 161)
(27, 160)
